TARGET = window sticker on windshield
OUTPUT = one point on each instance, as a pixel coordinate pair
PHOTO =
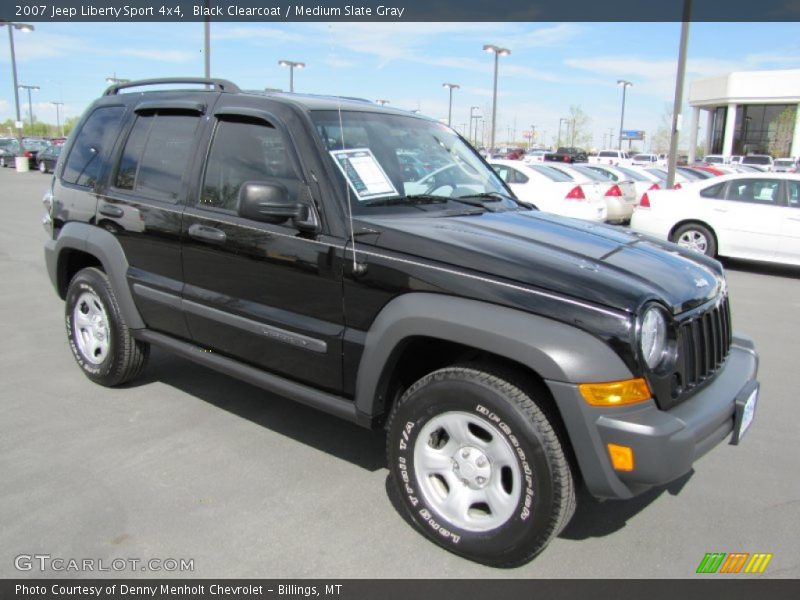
(364, 173)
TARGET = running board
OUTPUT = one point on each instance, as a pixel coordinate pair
(329, 403)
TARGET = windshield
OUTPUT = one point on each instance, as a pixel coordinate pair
(590, 173)
(757, 160)
(631, 174)
(550, 173)
(784, 162)
(8, 143)
(402, 162)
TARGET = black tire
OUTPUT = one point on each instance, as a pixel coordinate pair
(696, 237)
(499, 414)
(121, 358)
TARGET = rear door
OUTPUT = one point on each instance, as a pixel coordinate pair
(143, 204)
(789, 244)
(747, 218)
(263, 293)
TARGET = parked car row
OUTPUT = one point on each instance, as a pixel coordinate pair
(42, 154)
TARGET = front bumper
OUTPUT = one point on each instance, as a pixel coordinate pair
(665, 443)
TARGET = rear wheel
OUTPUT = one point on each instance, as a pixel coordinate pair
(478, 465)
(697, 237)
(99, 337)
(42, 167)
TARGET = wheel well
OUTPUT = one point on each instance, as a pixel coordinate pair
(418, 356)
(69, 263)
(693, 222)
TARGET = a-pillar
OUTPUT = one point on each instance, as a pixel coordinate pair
(693, 134)
(730, 125)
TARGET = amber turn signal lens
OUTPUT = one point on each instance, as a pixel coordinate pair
(621, 457)
(616, 393)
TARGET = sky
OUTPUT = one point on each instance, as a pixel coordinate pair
(552, 66)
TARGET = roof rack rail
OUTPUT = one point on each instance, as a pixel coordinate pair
(220, 85)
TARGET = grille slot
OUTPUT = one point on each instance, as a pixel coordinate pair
(705, 342)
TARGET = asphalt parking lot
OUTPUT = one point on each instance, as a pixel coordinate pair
(186, 463)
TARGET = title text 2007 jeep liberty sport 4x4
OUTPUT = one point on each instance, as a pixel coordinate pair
(368, 262)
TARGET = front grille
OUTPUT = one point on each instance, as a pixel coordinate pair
(705, 341)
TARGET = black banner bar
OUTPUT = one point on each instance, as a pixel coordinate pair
(397, 10)
(353, 589)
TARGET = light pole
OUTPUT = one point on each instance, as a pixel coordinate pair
(625, 85)
(498, 52)
(25, 28)
(58, 106)
(30, 88)
(292, 66)
(382, 102)
(473, 117)
(533, 136)
(451, 87)
(678, 102)
(561, 120)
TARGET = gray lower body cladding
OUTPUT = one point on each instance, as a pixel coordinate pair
(665, 444)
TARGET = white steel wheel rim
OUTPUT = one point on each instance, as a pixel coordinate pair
(693, 240)
(42, 167)
(90, 327)
(467, 471)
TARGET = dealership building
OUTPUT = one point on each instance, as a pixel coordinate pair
(747, 112)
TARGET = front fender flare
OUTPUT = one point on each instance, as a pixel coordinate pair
(554, 350)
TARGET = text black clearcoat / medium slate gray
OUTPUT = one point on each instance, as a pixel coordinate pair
(344, 312)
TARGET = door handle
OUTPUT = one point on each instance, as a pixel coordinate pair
(207, 234)
(794, 218)
(109, 210)
(722, 210)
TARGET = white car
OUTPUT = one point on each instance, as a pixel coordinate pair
(642, 182)
(641, 160)
(754, 216)
(550, 190)
(610, 157)
(534, 156)
(620, 197)
(785, 165)
(759, 161)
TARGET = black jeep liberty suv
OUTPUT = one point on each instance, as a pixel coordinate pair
(367, 262)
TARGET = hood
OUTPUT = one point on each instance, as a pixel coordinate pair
(613, 267)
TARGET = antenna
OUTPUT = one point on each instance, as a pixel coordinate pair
(347, 184)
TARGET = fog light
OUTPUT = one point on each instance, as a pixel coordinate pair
(621, 457)
(616, 393)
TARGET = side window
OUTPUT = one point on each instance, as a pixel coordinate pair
(794, 194)
(241, 151)
(713, 191)
(504, 172)
(156, 155)
(515, 176)
(754, 191)
(92, 146)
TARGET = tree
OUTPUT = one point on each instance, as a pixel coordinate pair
(69, 124)
(578, 133)
(780, 132)
(660, 140)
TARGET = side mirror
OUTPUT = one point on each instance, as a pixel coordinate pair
(268, 202)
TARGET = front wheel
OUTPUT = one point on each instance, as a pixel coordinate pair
(99, 337)
(42, 167)
(697, 237)
(478, 465)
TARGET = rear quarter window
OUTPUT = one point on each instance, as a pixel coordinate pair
(92, 147)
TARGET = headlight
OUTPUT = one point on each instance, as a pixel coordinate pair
(653, 337)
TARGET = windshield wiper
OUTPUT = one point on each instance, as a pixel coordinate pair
(484, 197)
(411, 199)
